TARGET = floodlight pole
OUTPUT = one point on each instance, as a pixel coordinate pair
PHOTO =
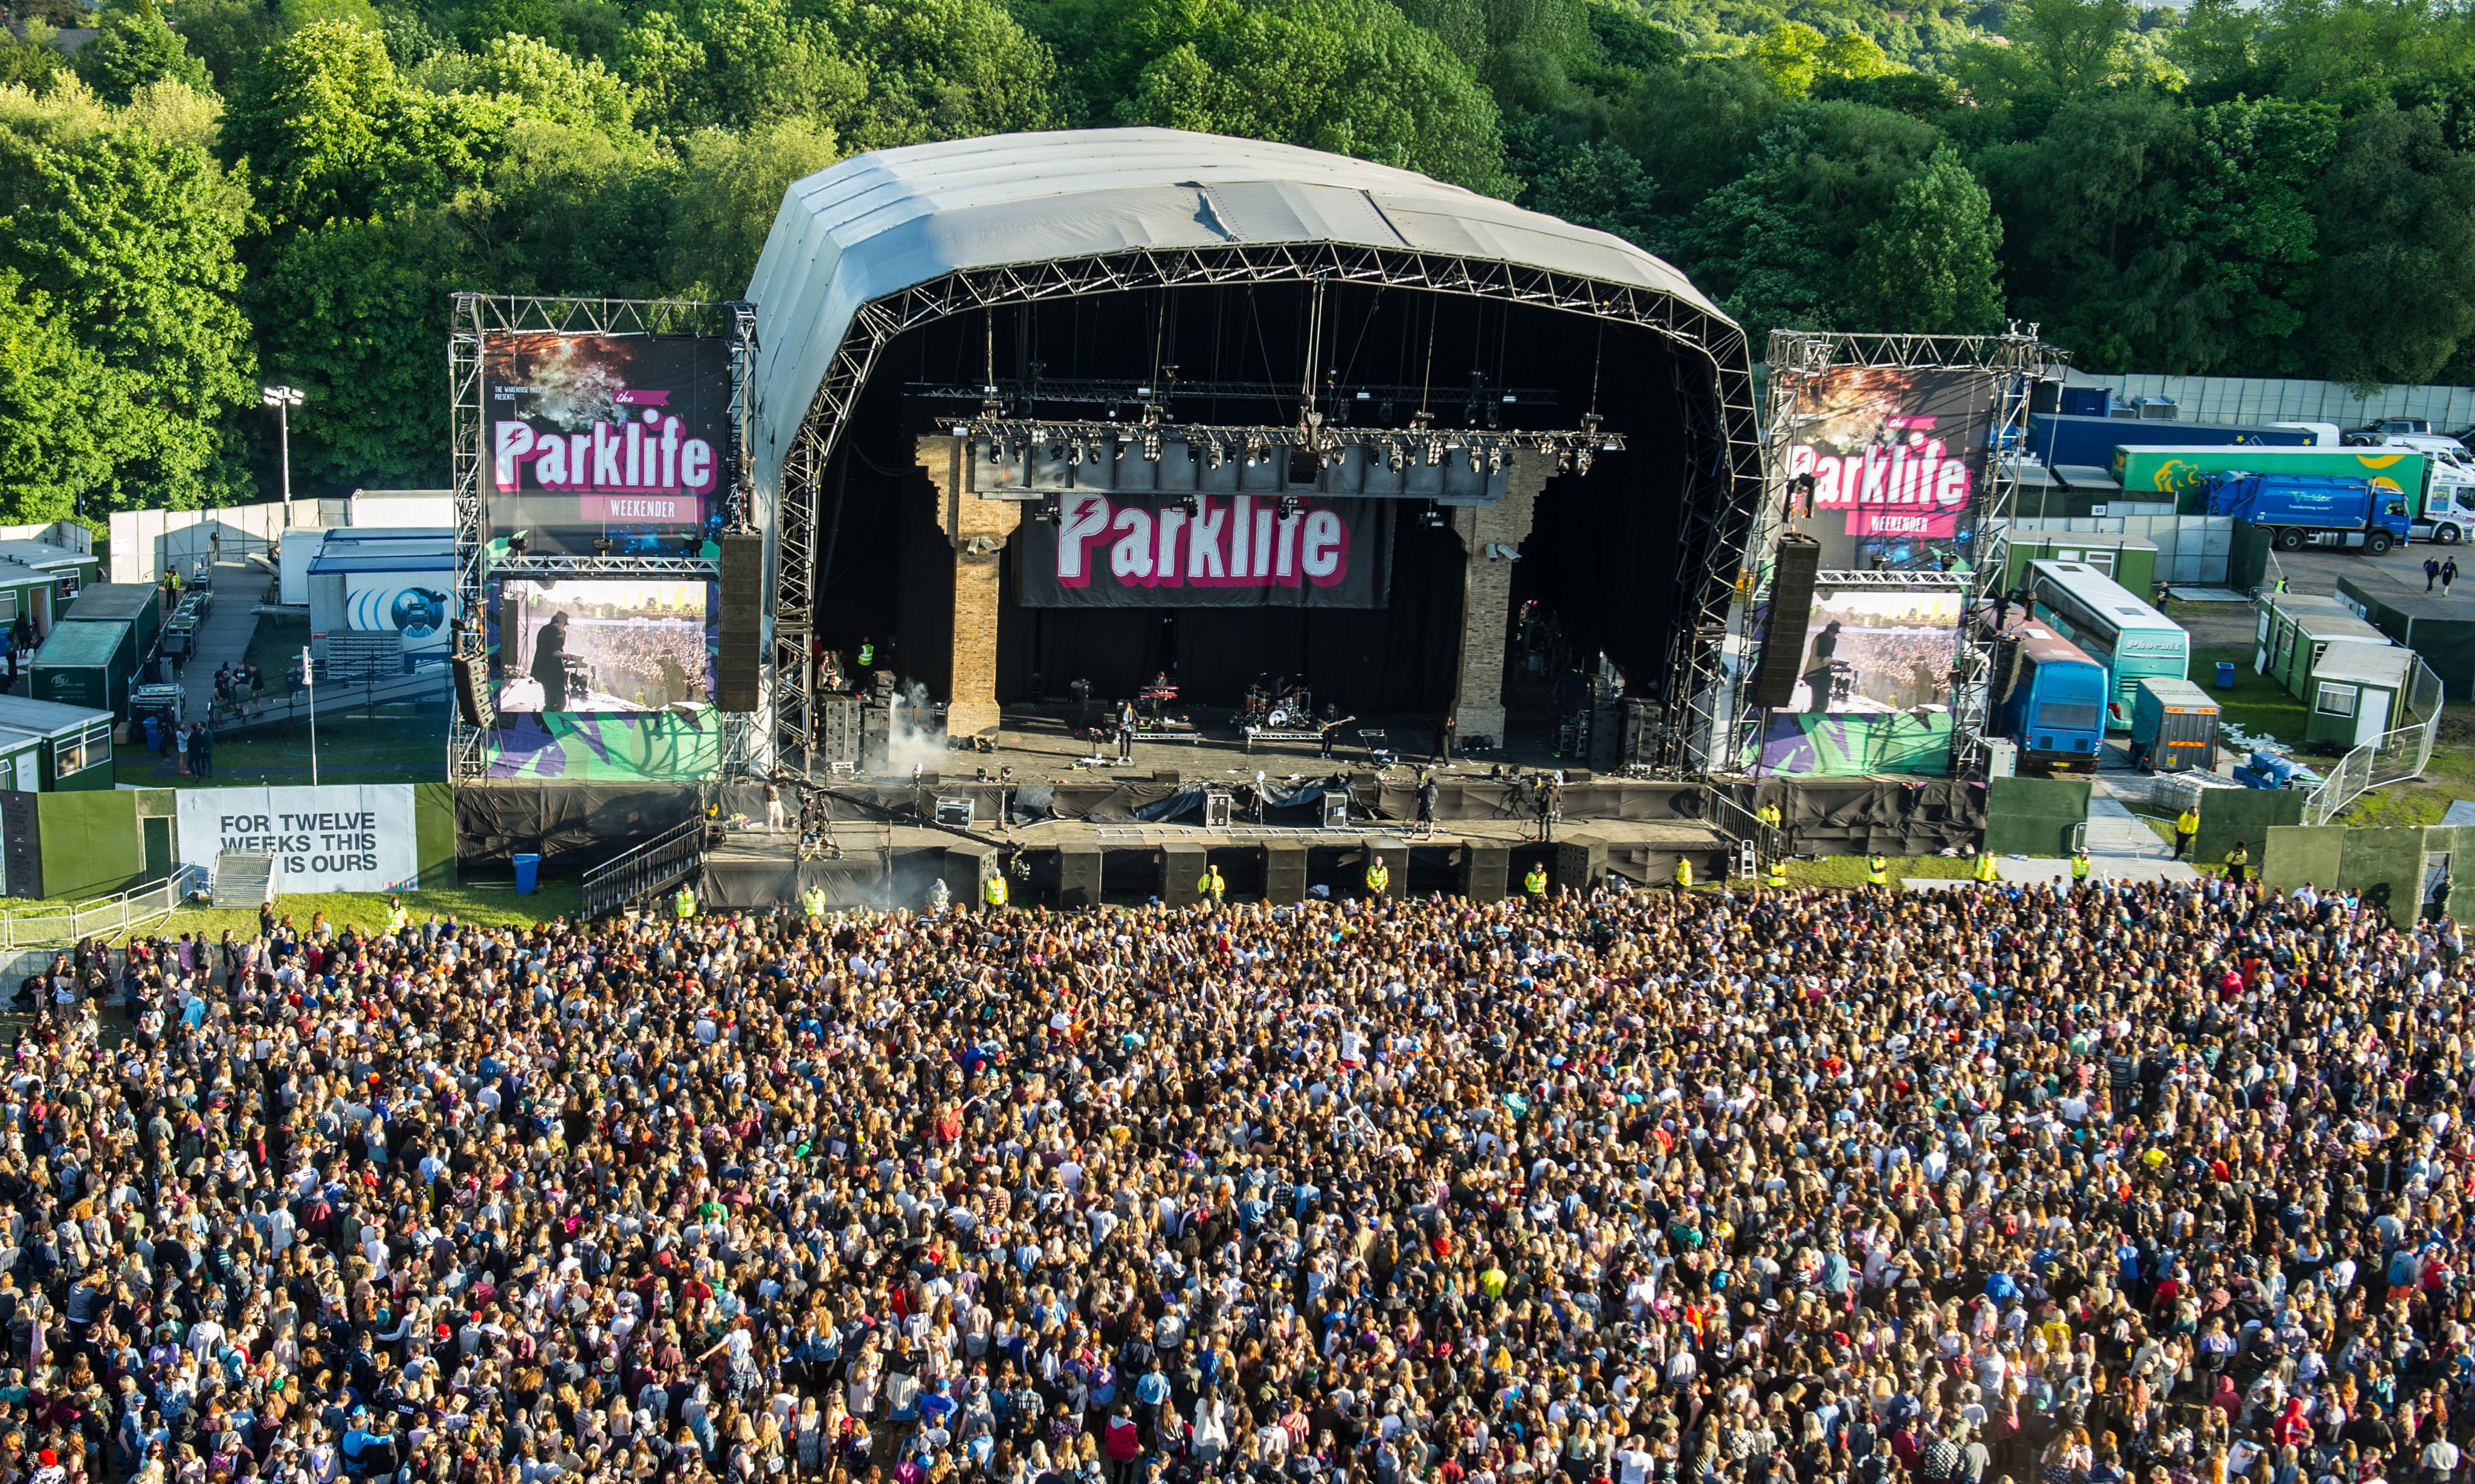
(283, 398)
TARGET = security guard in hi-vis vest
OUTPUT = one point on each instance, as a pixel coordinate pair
(2079, 865)
(1683, 873)
(1878, 870)
(811, 900)
(1210, 886)
(1379, 877)
(992, 892)
(1534, 881)
(684, 903)
(1774, 876)
(1985, 872)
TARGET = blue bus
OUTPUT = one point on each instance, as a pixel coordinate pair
(2048, 698)
(2132, 639)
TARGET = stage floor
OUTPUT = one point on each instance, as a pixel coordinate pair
(1037, 745)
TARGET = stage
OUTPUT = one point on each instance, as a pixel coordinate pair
(1080, 863)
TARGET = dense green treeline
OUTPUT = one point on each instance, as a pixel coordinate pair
(215, 193)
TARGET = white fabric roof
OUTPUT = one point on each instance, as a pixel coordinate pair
(876, 224)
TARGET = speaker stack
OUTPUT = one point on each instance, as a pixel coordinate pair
(1775, 673)
(739, 663)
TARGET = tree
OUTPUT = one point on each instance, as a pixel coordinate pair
(945, 69)
(331, 132)
(2397, 214)
(226, 34)
(1787, 53)
(132, 241)
(1353, 77)
(60, 407)
(1597, 185)
(1928, 267)
(1701, 123)
(2249, 211)
(351, 312)
(728, 191)
(132, 48)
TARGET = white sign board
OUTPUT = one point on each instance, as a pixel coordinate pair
(345, 838)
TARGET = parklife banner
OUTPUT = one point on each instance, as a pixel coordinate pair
(1207, 551)
(1903, 450)
(344, 837)
(594, 437)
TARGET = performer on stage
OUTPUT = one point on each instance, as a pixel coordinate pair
(550, 663)
(1330, 726)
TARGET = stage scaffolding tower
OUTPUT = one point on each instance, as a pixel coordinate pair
(480, 319)
(1798, 359)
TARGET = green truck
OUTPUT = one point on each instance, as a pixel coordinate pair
(2440, 494)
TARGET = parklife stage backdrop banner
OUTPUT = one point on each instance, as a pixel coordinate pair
(588, 436)
(343, 837)
(1902, 450)
(1207, 551)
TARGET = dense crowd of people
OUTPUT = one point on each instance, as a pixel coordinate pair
(2122, 1185)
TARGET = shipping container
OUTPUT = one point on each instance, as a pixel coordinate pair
(2173, 726)
(2055, 440)
(87, 665)
(138, 605)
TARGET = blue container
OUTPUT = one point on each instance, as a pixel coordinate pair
(528, 874)
(2225, 674)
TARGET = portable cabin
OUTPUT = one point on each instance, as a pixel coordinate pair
(72, 744)
(2129, 560)
(2174, 725)
(2355, 694)
(21, 762)
(2295, 631)
(137, 604)
(87, 665)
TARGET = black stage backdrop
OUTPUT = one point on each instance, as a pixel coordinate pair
(1238, 551)
(1397, 658)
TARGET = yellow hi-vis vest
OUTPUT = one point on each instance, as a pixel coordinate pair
(1878, 872)
(1985, 866)
(1379, 877)
(1536, 883)
(994, 892)
(684, 904)
(813, 901)
(2079, 868)
(1777, 874)
(1683, 870)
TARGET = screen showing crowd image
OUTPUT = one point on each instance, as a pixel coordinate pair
(603, 647)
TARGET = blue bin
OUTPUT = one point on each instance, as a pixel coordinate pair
(528, 874)
(2226, 673)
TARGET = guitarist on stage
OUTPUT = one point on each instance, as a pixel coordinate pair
(1329, 725)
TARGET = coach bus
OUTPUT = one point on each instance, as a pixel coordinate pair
(2132, 639)
(2048, 698)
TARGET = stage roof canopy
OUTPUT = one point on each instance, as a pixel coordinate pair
(878, 224)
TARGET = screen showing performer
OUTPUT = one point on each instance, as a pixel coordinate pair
(603, 647)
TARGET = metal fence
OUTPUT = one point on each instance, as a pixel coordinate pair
(52, 926)
(624, 880)
(2399, 755)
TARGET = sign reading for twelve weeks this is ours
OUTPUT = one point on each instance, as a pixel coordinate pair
(345, 838)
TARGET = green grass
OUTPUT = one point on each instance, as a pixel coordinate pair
(368, 909)
(405, 744)
(1850, 870)
(2255, 703)
(2422, 802)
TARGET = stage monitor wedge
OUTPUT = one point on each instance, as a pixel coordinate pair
(739, 658)
(1775, 673)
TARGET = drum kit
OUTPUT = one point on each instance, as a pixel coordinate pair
(1277, 705)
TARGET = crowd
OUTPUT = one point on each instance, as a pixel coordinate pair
(2123, 1184)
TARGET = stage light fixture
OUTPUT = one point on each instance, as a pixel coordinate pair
(1151, 443)
(1395, 456)
(1474, 458)
(602, 546)
(1581, 458)
(1214, 454)
(1495, 458)
(1435, 453)
(1290, 507)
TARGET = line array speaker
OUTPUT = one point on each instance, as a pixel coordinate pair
(739, 661)
(1774, 674)
(473, 692)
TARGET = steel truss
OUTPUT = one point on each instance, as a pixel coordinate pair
(1716, 396)
(478, 319)
(1800, 357)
